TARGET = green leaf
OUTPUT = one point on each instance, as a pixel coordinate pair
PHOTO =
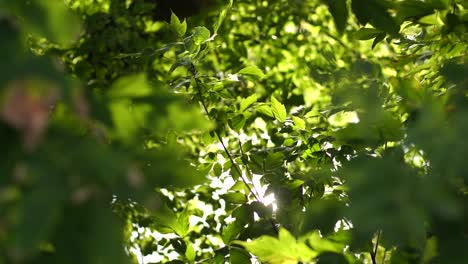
(413, 9)
(237, 122)
(231, 232)
(367, 33)
(239, 256)
(299, 122)
(221, 17)
(262, 210)
(274, 160)
(200, 35)
(339, 11)
(378, 39)
(243, 214)
(331, 258)
(265, 109)
(190, 253)
(278, 110)
(217, 169)
(44, 19)
(252, 71)
(321, 244)
(246, 102)
(234, 197)
(182, 225)
(282, 250)
(178, 27)
(375, 12)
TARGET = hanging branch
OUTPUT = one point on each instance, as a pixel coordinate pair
(252, 189)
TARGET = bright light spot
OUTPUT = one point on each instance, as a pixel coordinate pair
(290, 28)
(343, 118)
(233, 77)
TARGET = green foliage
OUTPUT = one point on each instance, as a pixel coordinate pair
(328, 131)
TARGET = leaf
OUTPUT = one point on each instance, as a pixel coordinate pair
(190, 252)
(178, 27)
(339, 11)
(367, 33)
(331, 258)
(282, 250)
(246, 102)
(378, 39)
(262, 210)
(231, 232)
(217, 169)
(243, 214)
(221, 17)
(375, 12)
(237, 122)
(239, 256)
(413, 9)
(234, 197)
(278, 109)
(201, 35)
(252, 71)
(299, 122)
(265, 109)
(274, 160)
(321, 244)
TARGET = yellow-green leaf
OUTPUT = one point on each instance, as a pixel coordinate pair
(178, 27)
(252, 71)
(278, 109)
(299, 122)
(246, 102)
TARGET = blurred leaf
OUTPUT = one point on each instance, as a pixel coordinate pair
(46, 19)
(231, 232)
(252, 71)
(246, 102)
(339, 11)
(235, 197)
(200, 35)
(190, 252)
(367, 33)
(375, 12)
(217, 169)
(299, 122)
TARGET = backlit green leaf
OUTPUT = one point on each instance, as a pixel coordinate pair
(179, 27)
(278, 109)
(200, 35)
(252, 71)
(246, 102)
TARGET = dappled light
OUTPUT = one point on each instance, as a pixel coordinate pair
(233, 131)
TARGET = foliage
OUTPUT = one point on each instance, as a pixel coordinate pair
(256, 132)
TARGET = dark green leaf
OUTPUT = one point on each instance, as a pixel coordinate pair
(239, 256)
(235, 197)
(339, 11)
(367, 33)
